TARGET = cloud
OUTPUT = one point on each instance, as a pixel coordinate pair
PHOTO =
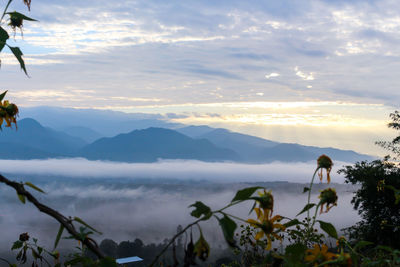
(166, 169)
(125, 211)
(272, 75)
(304, 76)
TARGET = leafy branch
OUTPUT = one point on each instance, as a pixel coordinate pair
(66, 223)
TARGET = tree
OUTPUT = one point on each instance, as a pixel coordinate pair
(375, 201)
(378, 199)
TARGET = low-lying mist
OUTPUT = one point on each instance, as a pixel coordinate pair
(148, 201)
(298, 172)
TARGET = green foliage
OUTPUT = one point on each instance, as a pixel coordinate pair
(228, 227)
(294, 255)
(375, 202)
(245, 194)
(328, 228)
(201, 209)
(39, 253)
(306, 208)
(16, 20)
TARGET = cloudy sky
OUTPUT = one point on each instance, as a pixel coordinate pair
(315, 72)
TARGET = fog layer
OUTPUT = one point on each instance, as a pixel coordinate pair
(171, 169)
(119, 200)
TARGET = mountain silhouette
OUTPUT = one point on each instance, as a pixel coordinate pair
(151, 144)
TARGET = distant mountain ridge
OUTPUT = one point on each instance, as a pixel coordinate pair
(258, 150)
(33, 141)
(152, 144)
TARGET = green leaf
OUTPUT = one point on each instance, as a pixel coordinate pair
(306, 189)
(18, 15)
(328, 228)
(17, 244)
(201, 209)
(35, 254)
(292, 223)
(362, 244)
(3, 37)
(3, 95)
(18, 54)
(21, 198)
(108, 262)
(306, 207)
(228, 227)
(245, 194)
(386, 248)
(34, 187)
(294, 254)
(60, 231)
(79, 220)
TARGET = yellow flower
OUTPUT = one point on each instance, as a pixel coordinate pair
(319, 254)
(266, 200)
(202, 248)
(325, 162)
(329, 198)
(8, 113)
(380, 186)
(266, 223)
(341, 242)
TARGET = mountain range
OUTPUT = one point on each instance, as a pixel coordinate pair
(32, 140)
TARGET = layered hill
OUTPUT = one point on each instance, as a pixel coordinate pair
(253, 149)
(32, 140)
(151, 144)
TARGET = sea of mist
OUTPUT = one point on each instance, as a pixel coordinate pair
(149, 200)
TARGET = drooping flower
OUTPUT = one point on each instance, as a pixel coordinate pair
(202, 248)
(24, 237)
(324, 162)
(8, 112)
(328, 198)
(28, 4)
(341, 242)
(380, 186)
(319, 254)
(266, 200)
(267, 225)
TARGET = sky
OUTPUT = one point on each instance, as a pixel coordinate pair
(313, 72)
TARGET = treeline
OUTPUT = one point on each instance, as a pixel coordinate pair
(174, 256)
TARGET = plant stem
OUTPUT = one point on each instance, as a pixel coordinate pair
(5, 10)
(308, 202)
(233, 216)
(173, 239)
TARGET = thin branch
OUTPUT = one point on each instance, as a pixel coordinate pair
(173, 240)
(5, 10)
(1, 259)
(66, 222)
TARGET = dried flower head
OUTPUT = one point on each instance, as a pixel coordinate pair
(380, 186)
(23, 237)
(266, 200)
(16, 22)
(324, 162)
(28, 4)
(328, 198)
